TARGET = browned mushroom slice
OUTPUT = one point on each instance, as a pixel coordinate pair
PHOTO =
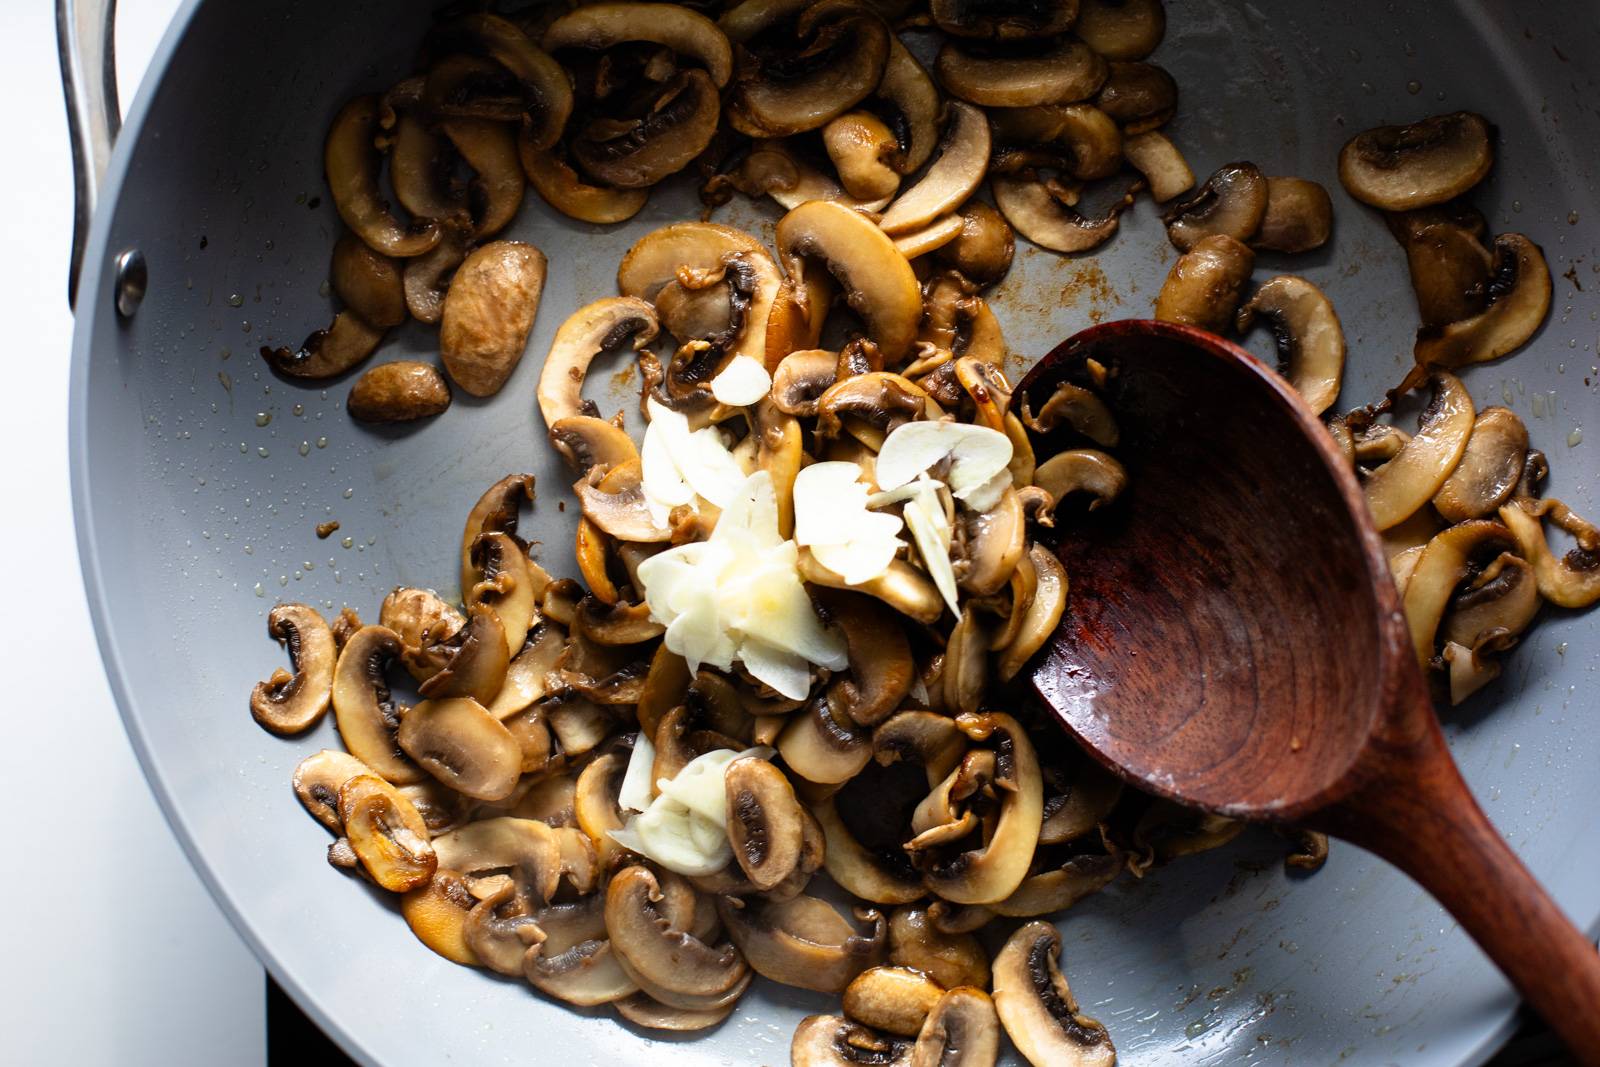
(1400, 168)
(1499, 603)
(908, 95)
(1006, 20)
(426, 278)
(490, 149)
(437, 913)
(765, 822)
(1298, 218)
(617, 505)
(803, 942)
(291, 703)
(327, 353)
(317, 780)
(881, 668)
(984, 248)
(790, 81)
(1489, 469)
(1450, 268)
(641, 1009)
(457, 741)
(878, 282)
(879, 875)
(403, 391)
(669, 962)
(821, 745)
(1041, 616)
(475, 660)
(1049, 891)
(421, 166)
(951, 959)
(585, 973)
(904, 587)
(386, 833)
(863, 150)
(962, 1030)
(1038, 211)
(1401, 486)
(467, 86)
(1206, 284)
(1163, 166)
(989, 545)
(957, 170)
(562, 189)
(592, 329)
(1518, 302)
(1438, 570)
(526, 847)
(351, 164)
(368, 282)
(500, 931)
(1037, 1007)
(488, 314)
(834, 1041)
(544, 86)
(1232, 201)
(688, 33)
(1055, 72)
(1075, 406)
(1121, 29)
(1573, 582)
(507, 586)
(496, 510)
(894, 999)
(1310, 340)
(1140, 96)
(1082, 470)
(365, 710)
(639, 153)
(425, 625)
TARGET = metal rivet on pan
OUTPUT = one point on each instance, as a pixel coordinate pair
(131, 280)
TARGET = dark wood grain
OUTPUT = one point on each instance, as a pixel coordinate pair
(1233, 640)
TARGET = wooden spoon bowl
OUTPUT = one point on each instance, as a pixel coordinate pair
(1233, 640)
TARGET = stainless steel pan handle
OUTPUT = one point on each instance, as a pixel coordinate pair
(86, 41)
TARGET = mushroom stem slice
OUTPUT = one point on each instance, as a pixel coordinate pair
(1400, 168)
(1060, 72)
(287, 703)
(1573, 582)
(953, 175)
(1401, 486)
(1037, 1007)
(1310, 340)
(351, 164)
(598, 27)
(1040, 214)
(893, 999)
(1299, 216)
(562, 189)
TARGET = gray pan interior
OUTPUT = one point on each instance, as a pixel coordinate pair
(196, 514)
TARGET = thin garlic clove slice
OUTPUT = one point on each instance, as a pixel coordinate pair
(636, 792)
(744, 381)
(977, 454)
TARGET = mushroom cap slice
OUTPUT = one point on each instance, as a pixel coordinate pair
(368, 282)
(879, 877)
(950, 959)
(426, 278)
(834, 59)
(1163, 166)
(500, 936)
(1450, 268)
(1232, 201)
(562, 189)
(351, 165)
(1085, 470)
(419, 159)
(509, 588)
(1139, 96)
(893, 999)
(1441, 566)
(327, 353)
(957, 170)
(1489, 469)
(688, 33)
(1040, 618)
(1310, 340)
(1121, 29)
(386, 833)
(490, 149)
(497, 509)
(1037, 211)
(766, 825)
(862, 149)
(473, 661)
(823, 746)
(908, 93)
(984, 248)
(1399, 168)
(881, 668)
(488, 314)
(1298, 218)
(1401, 486)
(676, 129)
(288, 703)
(1206, 284)
(805, 941)
(545, 87)
(1037, 1007)
(641, 1009)
(588, 443)
(617, 505)
(585, 974)
(1573, 582)
(1056, 890)
(668, 957)
(364, 709)
(527, 847)
(437, 912)
(317, 780)
(834, 1041)
(402, 391)
(1003, 21)
(1058, 72)
(903, 587)
(1518, 303)
(962, 1030)
(594, 328)
(457, 741)
(878, 282)
(1501, 601)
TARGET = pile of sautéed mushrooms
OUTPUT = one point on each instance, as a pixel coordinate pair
(788, 671)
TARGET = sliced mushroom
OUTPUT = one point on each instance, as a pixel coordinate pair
(317, 780)
(1518, 301)
(796, 77)
(426, 278)
(617, 506)
(586, 973)
(878, 282)
(490, 149)
(1573, 582)
(1038, 211)
(555, 180)
(1121, 29)
(426, 625)
(908, 95)
(615, 624)
(803, 942)
(1163, 166)
(1438, 570)
(668, 961)
(955, 172)
(1077, 407)
(1041, 616)
(386, 833)
(1501, 601)
(1450, 268)
(1085, 470)
(881, 667)
(1051, 891)
(863, 150)
(351, 164)
(1037, 1007)
(1140, 96)
(990, 544)
(1004, 21)
(1233, 201)
(641, 1009)
(1298, 218)
(1310, 340)
(461, 744)
(506, 585)
(469, 86)
(527, 848)
(368, 282)
(291, 703)
(950, 959)
(474, 661)
(488, 314)
(1206, 284)
(1400, 168)
(984, 248)
(594, 328)
(834, 1041)
(421, 166)
(1489, 469)
(500, 931)
(688, 33)
(327, 353)
(893, 999)
(402, 391)
(667, 138)
(544, 87)
(922, 737)
(364, 709)
(496, 510)
(962, 1030)
(1055, 72)
(878, 875)
(437, 912)
(822, 745)
(903, 587)
(1408, 481)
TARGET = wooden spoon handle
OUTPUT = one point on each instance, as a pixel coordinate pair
(1420, 816)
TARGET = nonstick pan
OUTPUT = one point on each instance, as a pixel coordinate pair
(199, 479)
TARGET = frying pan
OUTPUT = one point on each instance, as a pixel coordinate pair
(198, 479)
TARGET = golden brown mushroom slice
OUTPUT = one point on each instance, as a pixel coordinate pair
(437, 912)
(795, 74)
(594, 328)
(985, 246)
(1396, 490)
(896, 1000)
(1310, 340)
(1232, 201)
(1489, 470)
(457, 741)
(368, 282)
(863, 150)
(834, 1041)
(327, 353)
(386, 833)
(1041, 616)
(1163, 166)
(1206, 284)
(1518, 301)
(1298, 218)
(1401, 168)
(1046, 892)
(402, 391)
(950, 959)
(881, 667)
(351, 164)
(527, 848)
(664, 957)
(1039, 211)
(1139, 96)
(1121, 29)
(803, 942)
(1572, 582)
(1056, 72)
(555, 180)
(962, 1030)
(498, 184)
(426, 278)
(766, 825)
(643, 1010)
(1003, 21)
(365, 709)
(488, 314)
(1440, 567)
(955, 172)
(317, 780)
(878, 283)
(597, 27)
(881, 876)
(497, 510)
(545, 89)
(291, 703)
(1450, 268)
(907, 95)
(675, 129)
(473, 662)
(1037, 1008)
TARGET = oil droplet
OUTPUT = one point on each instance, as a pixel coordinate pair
(244, 327)
(243, 447)
(322, 442)
(1505, 393)
(1538, 405)
(1196, 1028)
(305, 448)
(226, 380)
(347, 541)
(235, 300)
(263, 417)
(308, 566)
(262, 451)
(348, 493)
(1516, 205)
(249, 550)
(1575, 438)
(1413, 87)
(226, 352)
(299, 409)
(283, 579)
(260, 591)
(1572, 218)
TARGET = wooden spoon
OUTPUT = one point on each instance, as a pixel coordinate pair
(1233, 640)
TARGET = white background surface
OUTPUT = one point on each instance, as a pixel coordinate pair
(113, 952)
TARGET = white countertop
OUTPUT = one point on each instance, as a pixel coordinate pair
(114, 952)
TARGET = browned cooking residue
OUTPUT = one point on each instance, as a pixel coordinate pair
(1087, 282)
(622, 381)
(325, 529)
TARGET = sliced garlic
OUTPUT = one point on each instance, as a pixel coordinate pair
(636, 792)
(977, 459)
(930, 528)
(679, 464)
(699, 785)
(744, 381)
(675, 837)
(832, 518)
